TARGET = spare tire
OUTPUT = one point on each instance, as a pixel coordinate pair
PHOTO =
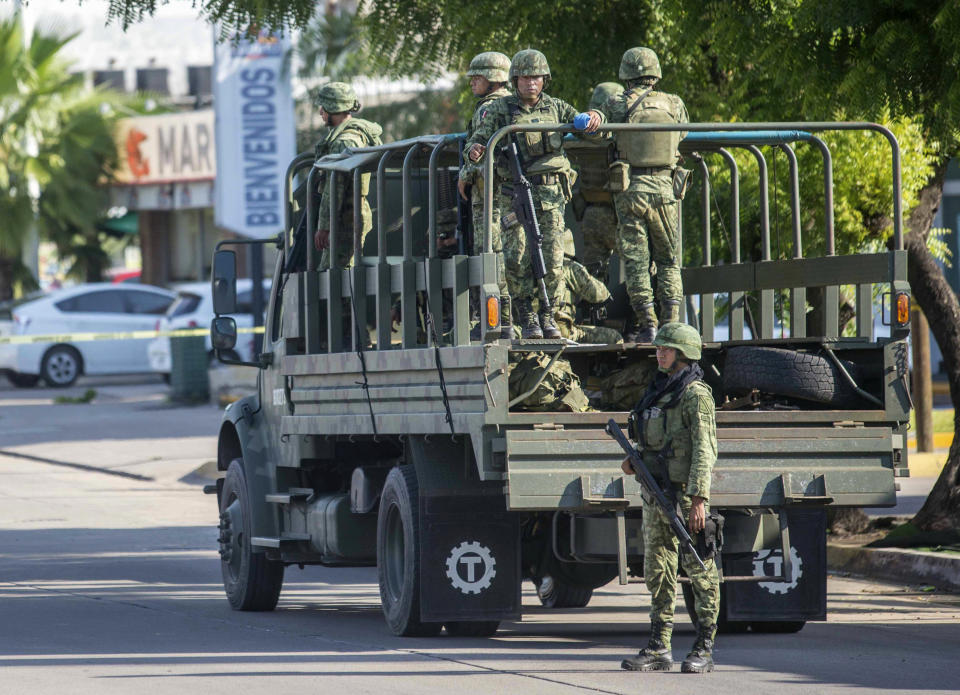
(790, 373)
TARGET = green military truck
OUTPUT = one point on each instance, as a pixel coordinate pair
(383, 433)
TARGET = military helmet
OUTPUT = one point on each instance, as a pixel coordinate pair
(569, 247)
(639, 62)
(490, 64)
(602, 93)
(683, 338)
(338, 97)
(527, 63)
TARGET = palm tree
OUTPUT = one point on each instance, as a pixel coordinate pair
(56, 147)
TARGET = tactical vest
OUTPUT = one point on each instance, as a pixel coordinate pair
(592, 160)
(370, 133)
(541, 152)
(650, 149)
(664, 427)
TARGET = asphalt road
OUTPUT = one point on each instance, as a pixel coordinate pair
(110, 583)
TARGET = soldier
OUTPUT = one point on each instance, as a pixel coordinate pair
(548, 170)
(647, 208)
(676, 417)
(338, 103)
(580, 286)
(592, 200)
(488, 81)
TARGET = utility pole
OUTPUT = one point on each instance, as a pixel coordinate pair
(922, 382)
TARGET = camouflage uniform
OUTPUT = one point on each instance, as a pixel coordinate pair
(338, 97)
(687, 430)
(549, 171)
(592, 200)
(579, 285)
(647, 211)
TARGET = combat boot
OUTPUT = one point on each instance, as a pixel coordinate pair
(669, 310)
(700, 658)
(506, 318)
(656, 655)
(529, 323)
(550, 329)
(645, 328)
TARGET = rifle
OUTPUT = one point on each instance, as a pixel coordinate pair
(650, 486)
(521, 202)
(464, 217)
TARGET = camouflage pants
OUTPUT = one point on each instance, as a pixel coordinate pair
(599, 228)
(549, 204)
(344, 238)
(660, 569)
(593, 335)
(648, 228)
(477, 200)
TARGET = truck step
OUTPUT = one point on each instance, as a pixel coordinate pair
(294, 493)
(277, 542)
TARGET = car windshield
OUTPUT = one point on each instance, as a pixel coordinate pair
(185, 303)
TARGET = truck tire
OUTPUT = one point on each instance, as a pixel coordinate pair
(554, 592)
(478, 628)
(251, 580)
(788, 373)
(398, 555)
(60, 366)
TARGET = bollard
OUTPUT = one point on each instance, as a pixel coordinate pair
(188, 369)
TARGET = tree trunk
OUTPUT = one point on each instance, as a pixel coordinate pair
(941, 511)
(7, 266)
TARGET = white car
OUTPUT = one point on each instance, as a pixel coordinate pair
(193, 308)
(88, 308)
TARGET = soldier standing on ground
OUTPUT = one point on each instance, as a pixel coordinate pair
(488, 73)
(550, 174)
(647, 207)
(592, 200)
(675, 420)
(338, 103)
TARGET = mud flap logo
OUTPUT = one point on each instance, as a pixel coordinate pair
(768, 563)
(471, 567)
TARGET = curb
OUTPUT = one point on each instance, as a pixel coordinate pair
(941, 570)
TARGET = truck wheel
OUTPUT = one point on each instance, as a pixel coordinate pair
(724, 626)
(781, 627)
(398, 555)
(60, 367)
(554, 592)
(786, 373)
(478, 628)
(251, 580)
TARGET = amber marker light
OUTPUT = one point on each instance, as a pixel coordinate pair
(493, 312)
(903, 308)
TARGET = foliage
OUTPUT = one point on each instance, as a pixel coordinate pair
(231, 14)
(56, 145)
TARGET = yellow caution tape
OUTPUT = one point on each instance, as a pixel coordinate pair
(128, 335)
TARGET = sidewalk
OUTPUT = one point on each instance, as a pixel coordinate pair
(941, 570)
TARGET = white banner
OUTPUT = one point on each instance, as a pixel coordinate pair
(255, 134)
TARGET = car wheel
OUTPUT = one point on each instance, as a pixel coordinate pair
(22, 381)
(60, 366)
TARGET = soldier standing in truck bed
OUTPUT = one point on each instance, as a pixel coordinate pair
(644, 196)
(550, 174)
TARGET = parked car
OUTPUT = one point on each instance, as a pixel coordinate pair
(88, 308)
(193, 308)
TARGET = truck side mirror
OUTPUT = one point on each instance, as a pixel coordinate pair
(223, 333)
(225, 282)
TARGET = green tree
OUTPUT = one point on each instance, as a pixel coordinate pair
(56, 138)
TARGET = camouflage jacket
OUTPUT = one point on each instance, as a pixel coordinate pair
(690, 429)
(471, 171)
(540, 152)
(580, 285)
(352, 133)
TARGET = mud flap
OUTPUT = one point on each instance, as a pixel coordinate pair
(469, 559)
(805, 597)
